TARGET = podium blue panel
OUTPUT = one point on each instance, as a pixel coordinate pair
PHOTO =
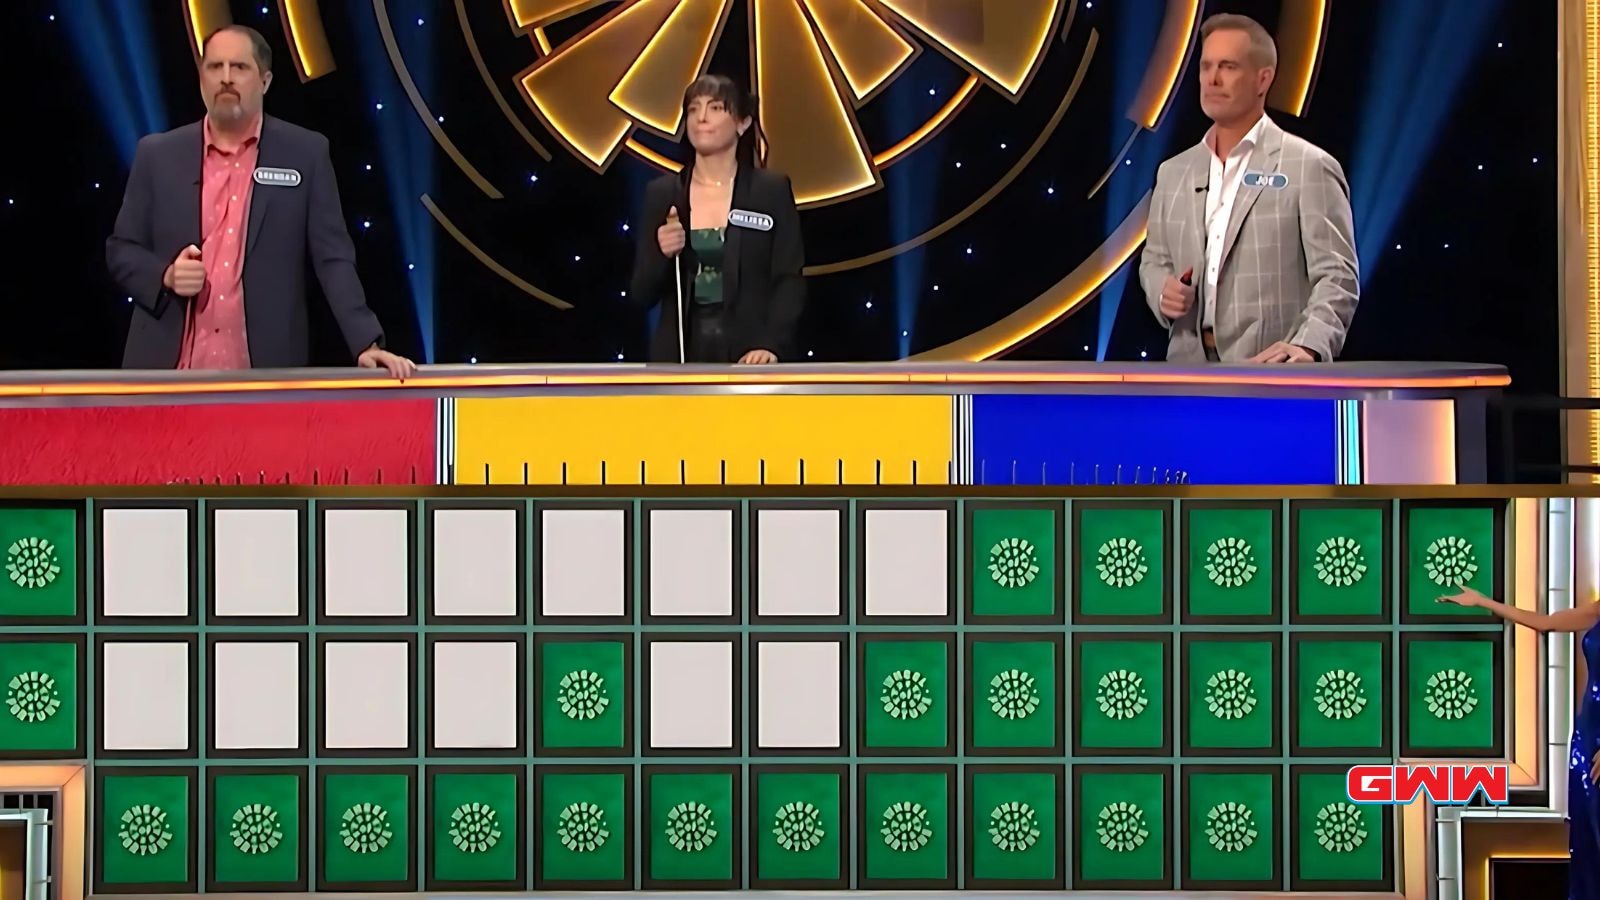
(1056, 439)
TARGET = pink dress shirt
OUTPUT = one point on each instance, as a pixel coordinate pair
(214, 333)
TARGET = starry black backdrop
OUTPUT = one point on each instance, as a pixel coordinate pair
(1470, 273)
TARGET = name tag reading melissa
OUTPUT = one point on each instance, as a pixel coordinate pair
(277, 177)
(752, 220)
(1275, 180)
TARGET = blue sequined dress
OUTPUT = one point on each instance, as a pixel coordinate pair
(1583, 796)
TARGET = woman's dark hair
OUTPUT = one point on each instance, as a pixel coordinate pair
(741, 104)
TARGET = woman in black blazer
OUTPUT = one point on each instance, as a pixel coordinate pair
(734, 231)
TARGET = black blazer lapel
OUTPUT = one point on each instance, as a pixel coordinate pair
(268, 155)
(192, 172)
(684, 273)
(733, 239)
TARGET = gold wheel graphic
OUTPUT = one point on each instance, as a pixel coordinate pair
(814, 62)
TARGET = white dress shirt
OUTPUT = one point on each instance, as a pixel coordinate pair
(1226, 176)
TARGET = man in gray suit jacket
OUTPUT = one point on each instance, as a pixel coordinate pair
(1251, 251)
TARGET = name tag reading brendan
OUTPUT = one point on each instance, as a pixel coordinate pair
(1276, 180)
(752, 220)
(277, 177)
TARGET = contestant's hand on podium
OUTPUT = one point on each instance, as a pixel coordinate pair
(1177, 298)
(187, 274)
(671, 236)
(758, 358)
(398, 366)
(1284, 352)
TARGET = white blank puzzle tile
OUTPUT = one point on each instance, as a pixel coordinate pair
(581, 557)
(145, 556)
(474, 698)
(799, 701)
(256, 558)
(907, 562)
(257, 695)
(691, 694)
(144, 696)
(691, 562)
(475, 562)
(797, 562)
(367, 695)
(366, 562)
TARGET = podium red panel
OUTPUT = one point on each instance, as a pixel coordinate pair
(362, 442)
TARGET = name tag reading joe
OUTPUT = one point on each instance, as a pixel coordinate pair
(1276, 180)
(277, 177)
(752, 220)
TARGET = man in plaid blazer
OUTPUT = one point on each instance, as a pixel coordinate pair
(1251, 252)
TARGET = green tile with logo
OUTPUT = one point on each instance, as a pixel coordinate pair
(1447, 546)
(146, 834)
(583, 700)
(692, 823)
(907, 817)
(366, 829)
(1015, 830)
(1121, 828)
(1339, 687)
(582, 833)
(1121, 571)
(799, 828)
(1014, 691)
(258, 827)
(40, 563)
(1233, 697)
(1015, 567)
(906, 694)
(1340, 561)
(1232, 824)
(1337, 845)
(474, 828)
(1231, 562)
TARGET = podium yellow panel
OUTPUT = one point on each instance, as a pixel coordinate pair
(783, 439)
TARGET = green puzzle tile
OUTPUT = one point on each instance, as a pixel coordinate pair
(257, 825)
(145, 834)
(40, 562)
(693, 826)
(1337, 841)
(1121, 694)
(1121, 825)
(582, 694)
(1230, 558)
(799, 827)
(1122, 567)
(1447, 546)
(906, 688)
(1232, 694)
(1016, 832)
(366, 828)
(583, 827)
(1014, 561)
(1451, 693)
(1339, 554)
(1232, 827)
(474, 827)
(1014, 695)
(1339, 694)
(906, 826)
(42, 697)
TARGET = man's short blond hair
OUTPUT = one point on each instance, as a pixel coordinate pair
(1263, 49)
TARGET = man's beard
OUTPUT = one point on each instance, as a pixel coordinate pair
(228, 111)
